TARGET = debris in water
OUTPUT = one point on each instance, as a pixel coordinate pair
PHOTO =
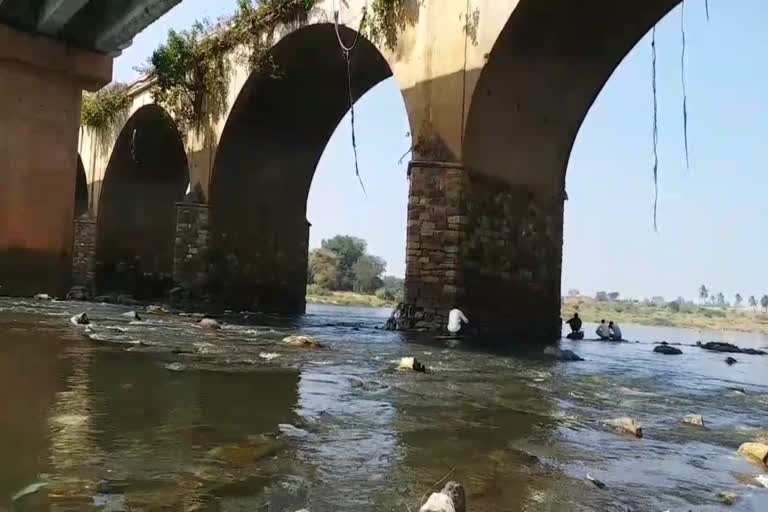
(268, 356)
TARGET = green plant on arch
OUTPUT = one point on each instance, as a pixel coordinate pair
(102, 109)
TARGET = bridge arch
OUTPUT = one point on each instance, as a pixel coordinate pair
(274, 137)
(146, 176)
(81, 190)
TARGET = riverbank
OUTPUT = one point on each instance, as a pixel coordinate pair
(350, 299)
(626, 312)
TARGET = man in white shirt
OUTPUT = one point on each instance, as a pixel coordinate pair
(615, 331)
(455, 318)
(603, 331)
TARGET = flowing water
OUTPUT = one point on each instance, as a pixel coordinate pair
(160, 414)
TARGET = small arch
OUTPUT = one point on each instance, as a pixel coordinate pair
(146, 176)
(267, 156)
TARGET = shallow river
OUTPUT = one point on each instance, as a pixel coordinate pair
(162, 415)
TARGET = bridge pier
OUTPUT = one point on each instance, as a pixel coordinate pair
(490, 248)
(41, 83)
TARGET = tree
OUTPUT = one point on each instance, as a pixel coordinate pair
(703, 293)
(349, 249)
(601, 297)
(752, 301)
(573, 292)
(738, 299)
(613, 296)
(367, 271)
(764, 302)
(324, 269)
(721, 299)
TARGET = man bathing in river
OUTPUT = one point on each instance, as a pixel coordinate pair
(575, 323)
(603, 331)
(455, 318)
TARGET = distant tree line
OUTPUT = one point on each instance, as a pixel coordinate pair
(342, 263)
(718, 299)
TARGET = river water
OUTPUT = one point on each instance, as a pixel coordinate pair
(162, 415)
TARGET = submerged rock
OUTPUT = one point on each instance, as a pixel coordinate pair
(561, 355)
(451, 499)
(411, 363)
(719, 346)
(132, 315)
(727, 498)
(730, 361)
(81, 319)
(246, 453)
(43, 296)
(78, 293)
(694, 419)
(666, 349)
(756, 451)
(209, 323)
(626, 424)
(302, 341)
(155, 309)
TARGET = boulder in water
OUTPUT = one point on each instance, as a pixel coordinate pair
(132, 315)
(43, 296)
(578, 335)
(154, 309)
(81, 319)
(78, 293)
(666, 349)
(727, 498)
(756, 451)
(209, 323)
(718, 346)
(626, 424)
(411, 363)
(302, 341)
(694, 419)
(730, 361)
(451, 499)
(561, 355)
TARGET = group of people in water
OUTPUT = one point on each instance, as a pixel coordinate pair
(610, 331)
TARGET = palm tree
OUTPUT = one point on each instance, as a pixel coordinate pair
(703, 293)
(764, 302)
(752, 301)
(738, 298)
(720, 299)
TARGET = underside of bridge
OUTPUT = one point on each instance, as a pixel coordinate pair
(273, 140)
(146, 176)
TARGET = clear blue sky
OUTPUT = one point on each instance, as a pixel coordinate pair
(711, 218)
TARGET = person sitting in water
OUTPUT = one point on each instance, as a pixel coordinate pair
(613, 327)
(455, 319)
(575, 323)
(603, 331)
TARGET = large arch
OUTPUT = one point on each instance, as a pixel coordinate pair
(545, 70)
(146, 176)
(268, 152)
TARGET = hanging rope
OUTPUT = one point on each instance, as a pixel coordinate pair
(682, 77)
(346, 51)
(706, 8)
(655, 135)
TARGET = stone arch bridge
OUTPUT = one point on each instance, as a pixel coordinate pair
(495, 92)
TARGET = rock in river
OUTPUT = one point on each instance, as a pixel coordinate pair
(81, 319)
(302, 341)
(730, 361)
(561, 355)
(727, 498)
(132, 315)
(719, 346)
(78, 293)
(756, 451)
(694, 419)
(209, 323)
(666, 349)
(43, 296)
(626, 424)
(411, 363)
(451, 499)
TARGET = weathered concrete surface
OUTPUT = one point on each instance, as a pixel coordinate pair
(84, 253)
(40, 87)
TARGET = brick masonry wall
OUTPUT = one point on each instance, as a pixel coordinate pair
(191, 245)
(84, 252)
(492, 249)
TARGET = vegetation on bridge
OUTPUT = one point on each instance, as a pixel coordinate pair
(102, 109)
(383, 20)
(192, 67)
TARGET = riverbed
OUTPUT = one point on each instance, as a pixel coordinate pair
(159, 414)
